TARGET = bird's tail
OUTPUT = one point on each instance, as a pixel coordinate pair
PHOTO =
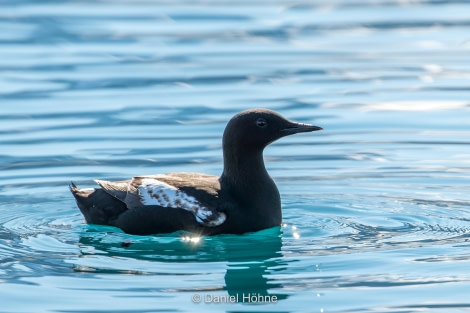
(97, 206)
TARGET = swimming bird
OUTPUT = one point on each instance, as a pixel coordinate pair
(243, 199)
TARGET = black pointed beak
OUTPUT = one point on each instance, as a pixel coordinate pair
(294, 128)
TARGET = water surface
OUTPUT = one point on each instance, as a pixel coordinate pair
(376, 206)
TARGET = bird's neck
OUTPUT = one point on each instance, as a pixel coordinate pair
(245, 167)
(245, 174)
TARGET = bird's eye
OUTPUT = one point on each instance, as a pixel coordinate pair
(261, 122)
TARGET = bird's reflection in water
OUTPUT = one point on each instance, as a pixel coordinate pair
(250, 259)
(248, 275)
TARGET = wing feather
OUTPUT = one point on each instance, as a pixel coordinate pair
(164, 191)
(153, 191)
(117, 189)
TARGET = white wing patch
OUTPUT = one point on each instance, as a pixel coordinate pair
(156, 192)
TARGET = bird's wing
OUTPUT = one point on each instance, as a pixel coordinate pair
(149, 191)
(117, 189)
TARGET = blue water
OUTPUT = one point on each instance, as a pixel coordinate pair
(376, 206)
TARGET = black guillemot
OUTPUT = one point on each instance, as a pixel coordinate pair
(243, 199)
